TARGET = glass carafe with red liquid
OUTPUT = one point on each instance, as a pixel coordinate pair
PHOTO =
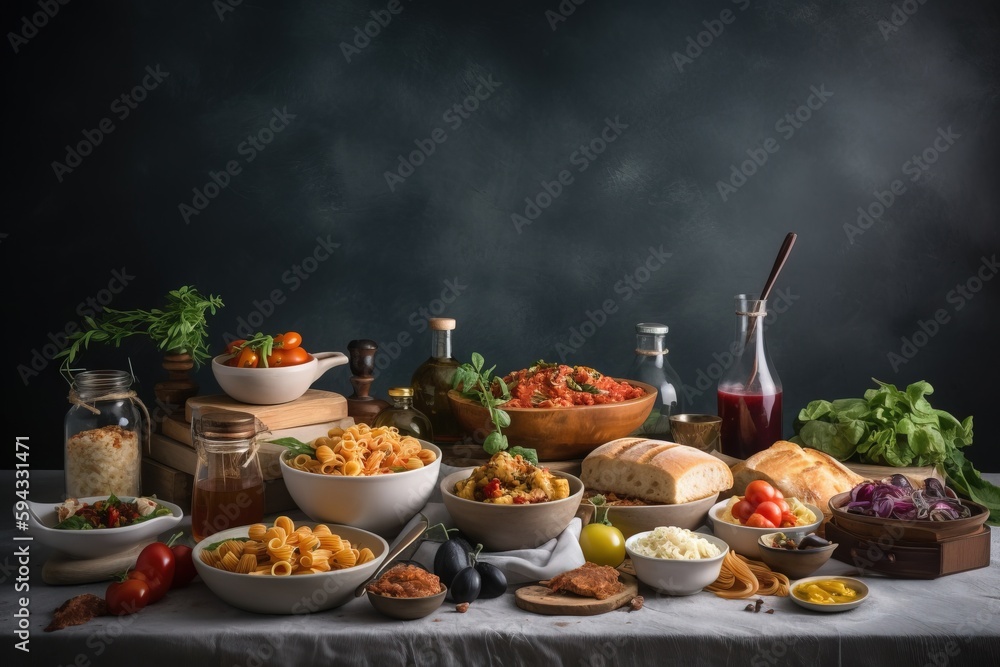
(750, 391)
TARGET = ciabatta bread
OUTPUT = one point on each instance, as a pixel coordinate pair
(654, 471)
(810, 475)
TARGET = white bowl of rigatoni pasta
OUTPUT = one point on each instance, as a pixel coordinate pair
(288, 567)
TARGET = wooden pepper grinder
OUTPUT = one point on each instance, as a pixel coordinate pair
(361, 406)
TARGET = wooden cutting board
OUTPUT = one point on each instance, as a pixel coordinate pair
(61, 570)
(540, 600)
(915, 474)
(313, 407)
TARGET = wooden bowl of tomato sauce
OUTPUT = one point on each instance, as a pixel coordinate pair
(562, 433)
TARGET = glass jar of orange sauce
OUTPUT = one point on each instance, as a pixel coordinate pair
(228, 485)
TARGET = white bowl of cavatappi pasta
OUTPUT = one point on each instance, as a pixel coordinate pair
(369, 478)
(288, 567)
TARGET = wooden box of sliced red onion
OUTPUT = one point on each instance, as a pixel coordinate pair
(888, 526)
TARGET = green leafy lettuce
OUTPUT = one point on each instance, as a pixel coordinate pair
(899, 429)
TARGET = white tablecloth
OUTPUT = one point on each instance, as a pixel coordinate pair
(954, 620)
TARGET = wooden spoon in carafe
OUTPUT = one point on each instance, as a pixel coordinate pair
(779, 261)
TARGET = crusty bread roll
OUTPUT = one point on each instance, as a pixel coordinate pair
(655, 471)
(810, 475)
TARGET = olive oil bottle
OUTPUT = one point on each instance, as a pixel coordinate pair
(404, 416)
(432, 381)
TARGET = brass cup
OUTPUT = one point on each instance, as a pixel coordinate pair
(698, 431)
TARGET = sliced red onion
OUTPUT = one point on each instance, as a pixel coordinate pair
(894, 497)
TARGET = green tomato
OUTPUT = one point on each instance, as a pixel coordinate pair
(602, 544)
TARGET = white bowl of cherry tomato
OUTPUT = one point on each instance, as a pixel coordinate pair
(741, 520)
(267, 370)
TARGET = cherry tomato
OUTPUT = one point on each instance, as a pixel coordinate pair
(742, 510)
(231, 347)
(770, 511)
(247, 359)
(757, 521)
(155, 565)
(758, 491)
(288, 340)
(602, 544)
(184, 570)
(276, 358)
(126, 596)
(296, 355)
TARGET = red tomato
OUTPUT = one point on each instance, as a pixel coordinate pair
(288, 340)
(782, 504)
(296, 355)
(276, 358)
(778, 495)
(126, 596)
(247, 359)
(770, 511)
(789, 520)
(231, 347)
(758, 521)
(184, 570)
(155, 564)
(758, 491)
(742, 510)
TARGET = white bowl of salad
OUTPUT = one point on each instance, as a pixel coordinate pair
(97, 526)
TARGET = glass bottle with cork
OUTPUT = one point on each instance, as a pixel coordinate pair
(228, 484)
(652, 367)
(401, 414)
(432, 381)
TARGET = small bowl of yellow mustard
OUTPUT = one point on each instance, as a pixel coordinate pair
(827, 593)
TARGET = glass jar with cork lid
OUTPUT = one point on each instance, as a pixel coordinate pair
(228, 485)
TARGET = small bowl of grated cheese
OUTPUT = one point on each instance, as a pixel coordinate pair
(676, 561)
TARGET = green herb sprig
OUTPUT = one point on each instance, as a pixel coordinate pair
(295, 446)
(476, 383)
(261, 343)
(178, 327)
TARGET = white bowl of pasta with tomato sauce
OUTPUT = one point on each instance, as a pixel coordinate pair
(379, 498)
(294, 591)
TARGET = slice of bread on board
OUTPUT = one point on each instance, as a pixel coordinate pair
(654, 471)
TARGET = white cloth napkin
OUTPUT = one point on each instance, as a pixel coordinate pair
(521, 566)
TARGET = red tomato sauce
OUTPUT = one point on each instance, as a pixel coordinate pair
(558, 385)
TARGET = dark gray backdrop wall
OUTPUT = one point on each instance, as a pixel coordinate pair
(547, 173)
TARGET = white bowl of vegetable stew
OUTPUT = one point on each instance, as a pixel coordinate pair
(83, 542)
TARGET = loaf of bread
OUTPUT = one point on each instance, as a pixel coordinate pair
(654, 471)
(810, 475)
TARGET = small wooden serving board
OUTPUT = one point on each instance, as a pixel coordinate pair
(541, 600)
(314, 407)
(61, 569)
